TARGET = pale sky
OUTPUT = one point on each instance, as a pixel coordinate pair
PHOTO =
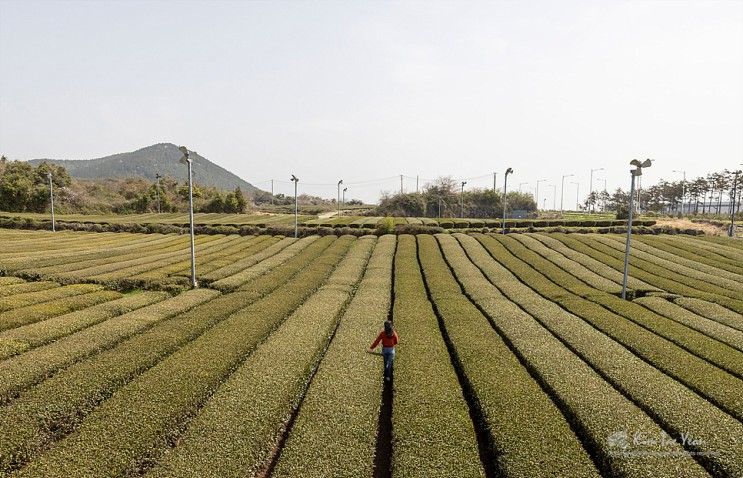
(366, 90)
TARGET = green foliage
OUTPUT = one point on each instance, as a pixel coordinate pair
(26, 188)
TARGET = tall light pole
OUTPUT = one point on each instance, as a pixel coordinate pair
(295, 180)
(577, 195)
(157, 190)
(189, 162)
(536, 199)
(735, 195)
(344, 197)
(683, 189)
(51, 199)
(272, 192)
(339, 197)
(505, 191)
(494, 176)
(461, 200)
(591, 185)
(562, 190)
(554, 196)
(636, 173)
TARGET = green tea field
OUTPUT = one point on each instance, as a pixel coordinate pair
(517, 356)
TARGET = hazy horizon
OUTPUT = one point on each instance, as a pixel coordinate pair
(363, 91)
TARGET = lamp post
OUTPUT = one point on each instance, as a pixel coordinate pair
(339, 197)
(735, 195)
(157, 190)
(536, 199)
(494, 176)
(189, 162)
(295, 180)
(562, 190)
(51, 199)
(683, 189)
(591, 186)
(344, 197)
(577, 195)
(505, 190)
(636, 173)
(461, 201)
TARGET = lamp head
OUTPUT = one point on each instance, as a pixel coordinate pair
(340, 182)
(647, 163)
(509, 171)
(345, 189)
(294, 178)
(185, 159)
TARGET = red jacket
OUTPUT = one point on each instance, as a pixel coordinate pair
(386, 341)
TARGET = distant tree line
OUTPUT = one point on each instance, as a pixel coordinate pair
(25, 188)
(443, 198)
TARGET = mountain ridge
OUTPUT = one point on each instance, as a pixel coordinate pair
(160, 158)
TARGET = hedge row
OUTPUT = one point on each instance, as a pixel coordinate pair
(237, 430)
(691, 340)
(687, 249)
(22, 371)
(710, 328)
(722, 282)
(246, 275)
(615, 259)
(30, 298)
(524, 424)
(340, 440)
(24, 287)
(7, 281)
(724, 245)
(74, 392)
(229, 256)
(576, 269)
(21, 339)
(712, 382)
(433, 434)
(278, 244)
(712, 311)
(596, 410)
(671, 404)
(122, 434)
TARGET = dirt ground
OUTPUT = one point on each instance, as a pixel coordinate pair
(708, 229)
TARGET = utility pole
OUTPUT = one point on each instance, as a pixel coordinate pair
(494, 175)
(590, 191)
(344, 197)
(461, 201)
(636, 173)
(157, 190)
(417, 177)
(338, 201)
(189, 162)
(536, 199)
(51, 199)
(272, 192)
(295, 180)
(505, 190)
(562, 190)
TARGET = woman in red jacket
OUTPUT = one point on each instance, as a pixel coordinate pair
(389, 339)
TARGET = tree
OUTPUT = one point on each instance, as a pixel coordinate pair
(240, 202)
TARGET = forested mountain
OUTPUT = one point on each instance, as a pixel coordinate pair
(147, 162)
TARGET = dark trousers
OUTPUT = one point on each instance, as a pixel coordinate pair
(389, 355)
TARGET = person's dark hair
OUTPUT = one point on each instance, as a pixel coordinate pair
(388, 328)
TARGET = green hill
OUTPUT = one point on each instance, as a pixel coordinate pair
(147, 162)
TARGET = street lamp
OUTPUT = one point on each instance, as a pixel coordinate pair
(562, 189)
(344, 197)
(295, 180)
(339, 197)
(536, 199)
(683, 189)
(733, 202)
(157, 190)
(51, 198)
(189, 162)
(461, 201)
(637, 172)
(577, 195)
(505, 190)
(591, 186)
